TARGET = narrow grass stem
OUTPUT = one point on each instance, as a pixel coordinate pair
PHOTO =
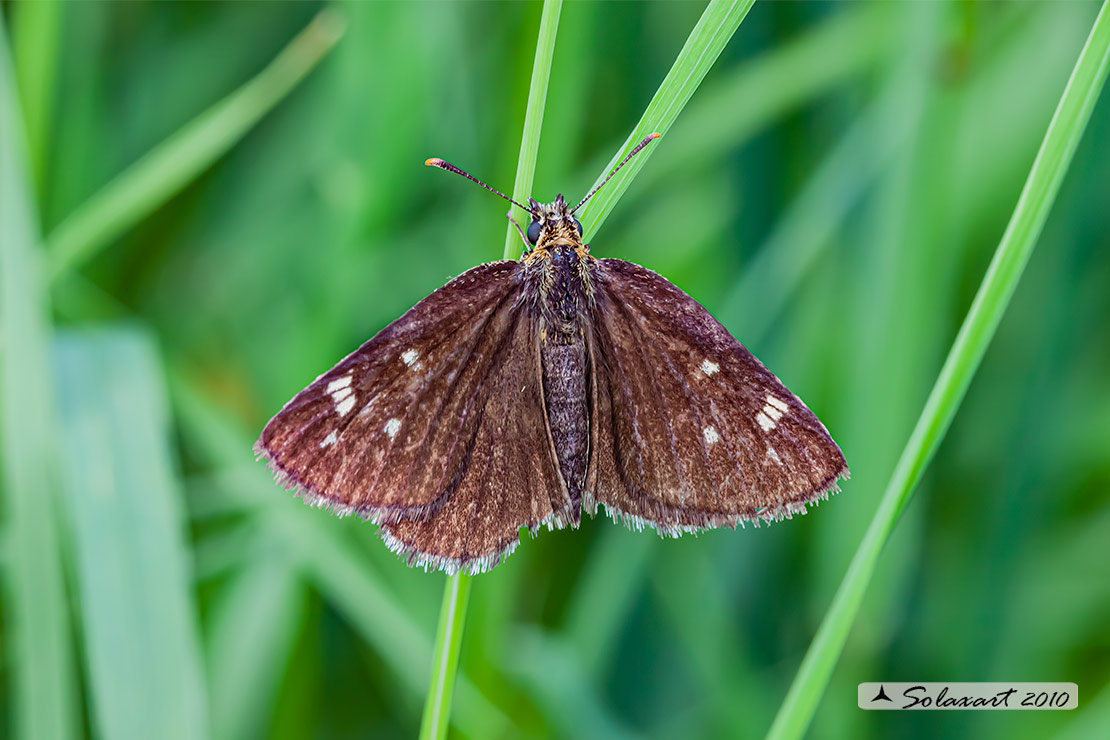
(533, 120)
(1010, 258)
(456, 594)
(452, 618)
(35, 37)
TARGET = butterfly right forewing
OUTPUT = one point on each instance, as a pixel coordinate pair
(689, 429)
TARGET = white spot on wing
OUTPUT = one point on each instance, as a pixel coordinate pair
(344, 407)
(410, 356)
(709, 367)
(330, 439)
(774, 409)
(711, 435)
(343, 396)
(780, 405)
(773, 455)
(339, 383)
(391, 427)
(765, 421)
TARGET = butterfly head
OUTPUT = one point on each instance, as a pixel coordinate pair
(552, 224)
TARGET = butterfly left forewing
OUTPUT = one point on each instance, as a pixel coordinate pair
(690, 430)
(435, 428)
(383, 433)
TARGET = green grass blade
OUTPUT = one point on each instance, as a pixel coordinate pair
(39, 649)
(1037, 197)
(1093, 721)
(744, 100)
(36, 31)
(144, 664)
(533, 122)
(169, 167)
(456, 593)
(705, 43)
(452, 618)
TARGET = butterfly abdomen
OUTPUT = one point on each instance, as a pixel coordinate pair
(564, 392)
(563, 356)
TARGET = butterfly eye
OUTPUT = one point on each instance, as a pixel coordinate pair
(578, 226)
(534, 232)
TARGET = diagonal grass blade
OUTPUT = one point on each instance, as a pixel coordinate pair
(705, 43)
(176, 162)
(1049, 168)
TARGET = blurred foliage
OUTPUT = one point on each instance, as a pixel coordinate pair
(833, 192)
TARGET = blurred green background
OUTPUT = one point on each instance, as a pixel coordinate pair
(833, 193)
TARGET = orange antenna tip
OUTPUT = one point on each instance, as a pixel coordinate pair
(655, 135)
(444, 165)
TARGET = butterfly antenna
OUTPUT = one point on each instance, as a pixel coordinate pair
(443, 165)
(650, 138)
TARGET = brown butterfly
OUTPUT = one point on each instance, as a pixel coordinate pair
(525, 391)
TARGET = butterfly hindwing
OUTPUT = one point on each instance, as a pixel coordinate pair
(384, 432)
(689, 429)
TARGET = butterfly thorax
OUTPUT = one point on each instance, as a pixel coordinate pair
(560, 267)
(559, 270)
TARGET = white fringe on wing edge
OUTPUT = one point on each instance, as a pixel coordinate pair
(377, 515)
(412, 557)
(471, 566)
(765, 515)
